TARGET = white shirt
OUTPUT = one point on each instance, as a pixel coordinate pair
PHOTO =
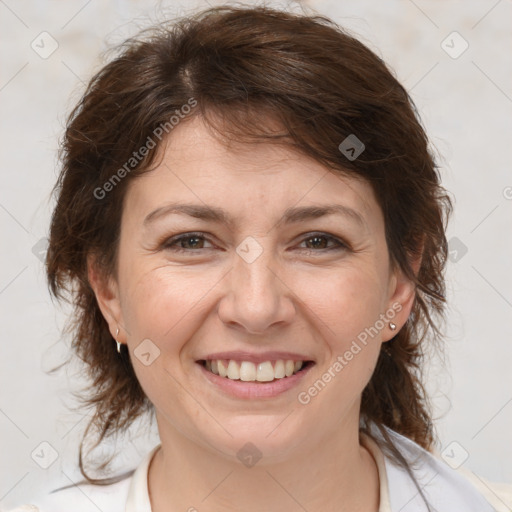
(446, 489)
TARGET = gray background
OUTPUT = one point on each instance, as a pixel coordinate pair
(466, 105)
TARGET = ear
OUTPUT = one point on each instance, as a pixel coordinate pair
(402, 292)
(107, 295)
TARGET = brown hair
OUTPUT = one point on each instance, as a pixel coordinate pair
(243, 67)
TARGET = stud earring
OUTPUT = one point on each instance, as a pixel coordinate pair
(392, 326)
(118, 344)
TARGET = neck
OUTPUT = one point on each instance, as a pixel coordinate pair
(335, 473)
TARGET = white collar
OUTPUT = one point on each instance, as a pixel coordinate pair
(378, 456)
(138, 493)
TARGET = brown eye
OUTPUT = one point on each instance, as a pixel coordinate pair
(187, 242)
(321, 242)
(318, 242)
(193, 242)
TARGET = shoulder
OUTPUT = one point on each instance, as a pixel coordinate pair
(445, 488)
(82, 498)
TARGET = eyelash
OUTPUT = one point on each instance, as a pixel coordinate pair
(169, 243)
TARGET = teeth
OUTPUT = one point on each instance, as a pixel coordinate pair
(250, 372)
(233, 370)
(265, 372)
(247, 371)
(279, 372)
(223, 371)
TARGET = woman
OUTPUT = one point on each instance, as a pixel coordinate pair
(252, 229)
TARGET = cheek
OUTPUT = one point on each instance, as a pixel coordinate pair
(165, 307)
(342, 302)
(344, 307)
(160, 303)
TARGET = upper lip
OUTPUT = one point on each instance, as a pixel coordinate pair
(257, 358)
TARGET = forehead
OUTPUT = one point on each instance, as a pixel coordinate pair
(246, 179)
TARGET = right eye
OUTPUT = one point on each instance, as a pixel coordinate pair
(187, 242)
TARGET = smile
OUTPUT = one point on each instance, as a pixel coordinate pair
(245, 379)
(248, 371)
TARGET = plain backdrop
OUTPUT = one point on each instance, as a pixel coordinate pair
(454, 58)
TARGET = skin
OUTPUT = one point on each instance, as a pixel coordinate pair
(296, 296)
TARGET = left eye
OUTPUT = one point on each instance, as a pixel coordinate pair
(320, 241)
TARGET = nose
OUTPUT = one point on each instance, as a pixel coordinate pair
(257, 295)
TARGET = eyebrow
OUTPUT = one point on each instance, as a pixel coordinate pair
(219, 215)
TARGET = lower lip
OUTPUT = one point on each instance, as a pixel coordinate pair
(242, 389)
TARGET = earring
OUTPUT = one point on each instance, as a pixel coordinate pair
(392, 326)
(118, 344)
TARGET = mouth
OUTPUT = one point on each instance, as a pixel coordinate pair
(247, 371)
(247, 379)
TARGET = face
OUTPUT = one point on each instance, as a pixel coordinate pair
(276, 259)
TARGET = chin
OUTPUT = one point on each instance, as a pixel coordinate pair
(264, 437)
